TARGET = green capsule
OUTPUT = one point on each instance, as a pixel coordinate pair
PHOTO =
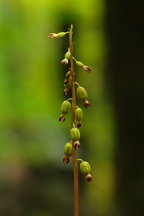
(67, 55)
(68, 149)
(78, 114)
(81, 93)
(80, 64)
(65, 107)
(74, 134)
(85, 168)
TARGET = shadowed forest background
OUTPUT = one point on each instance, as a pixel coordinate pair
(108, 36)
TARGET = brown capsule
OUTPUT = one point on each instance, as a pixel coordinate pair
(66, 159)
(88, 177)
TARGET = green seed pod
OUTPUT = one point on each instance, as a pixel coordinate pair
(65, 107)
(74, 134)
(85, 168)
(68, 149)
(80, 64)
(81, 93)
(78, 114)
(67, 55)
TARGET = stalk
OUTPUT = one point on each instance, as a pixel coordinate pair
(75, 166)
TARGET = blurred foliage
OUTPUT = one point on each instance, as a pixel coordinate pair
(33, 178)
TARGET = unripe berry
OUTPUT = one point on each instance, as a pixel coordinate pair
(65, 107)
(68, 149)
(74, 134)
(85, 168)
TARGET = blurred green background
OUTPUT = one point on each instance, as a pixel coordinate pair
(33, 179)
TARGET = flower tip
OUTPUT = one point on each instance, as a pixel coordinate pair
(66, 160)
(64, 61)
(86, 103)
(52, 35)
(87, 69)
(61, 118)
(79, 124)
(77, 145)
(88, 177)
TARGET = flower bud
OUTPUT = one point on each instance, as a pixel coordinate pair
(81, 93)
(67, 55)
(88, 177)
(68, 83)
(64, 61)
(80, 64)
(85, 168)
(84, 67)
(78, 114)
(68, 149)
(58, 35)
(65, 107)
(74, 134)
(76, 144)
(68, 74)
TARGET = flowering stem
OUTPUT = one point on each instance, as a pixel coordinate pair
(75, 167)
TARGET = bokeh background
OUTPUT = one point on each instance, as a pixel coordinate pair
(108, 37)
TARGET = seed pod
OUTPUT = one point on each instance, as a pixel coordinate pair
(68, 149)
(85, 168)
(88, 177)
(81, 93)
(67, 55)
(65, 107)
(74, 134)
(78, 114)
